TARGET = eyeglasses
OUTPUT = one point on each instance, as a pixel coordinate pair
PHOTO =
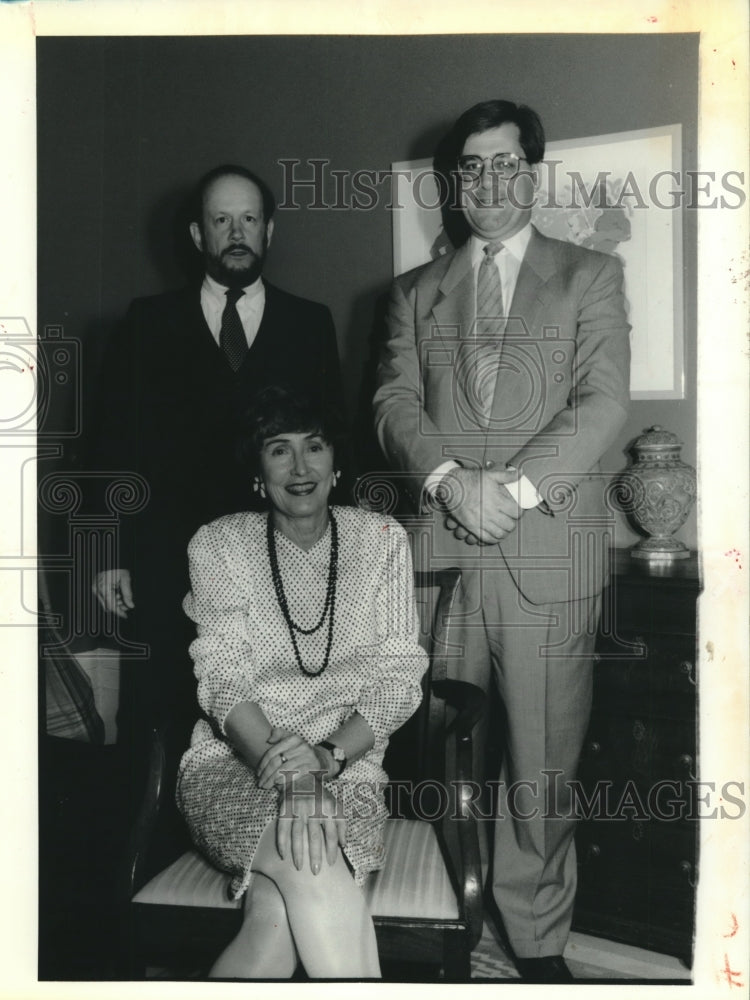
(504, 165)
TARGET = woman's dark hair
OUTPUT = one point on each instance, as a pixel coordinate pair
(280, 409)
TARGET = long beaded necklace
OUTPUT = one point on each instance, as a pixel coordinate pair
(330, 602)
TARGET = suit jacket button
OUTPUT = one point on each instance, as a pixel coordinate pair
(489, 464)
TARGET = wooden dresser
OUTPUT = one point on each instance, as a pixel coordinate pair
(637, 869)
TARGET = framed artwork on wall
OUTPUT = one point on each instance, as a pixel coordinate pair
(616, 193)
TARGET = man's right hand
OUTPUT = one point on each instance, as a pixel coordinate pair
(114, 591)
(480, 504)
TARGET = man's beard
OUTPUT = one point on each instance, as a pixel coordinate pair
(235, 277)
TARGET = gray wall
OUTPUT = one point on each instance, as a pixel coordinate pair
(126, 125)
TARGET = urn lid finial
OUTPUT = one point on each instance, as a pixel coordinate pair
(657, 439)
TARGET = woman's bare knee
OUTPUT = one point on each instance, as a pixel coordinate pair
(286, 875)
(263, 892)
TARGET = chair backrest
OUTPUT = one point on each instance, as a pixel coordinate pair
(416, 752)
(67, 702)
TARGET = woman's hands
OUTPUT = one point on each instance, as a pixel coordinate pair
(309, 819)
(290, 753)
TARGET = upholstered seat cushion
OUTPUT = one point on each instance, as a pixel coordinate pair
(414, 882)
(189, 881)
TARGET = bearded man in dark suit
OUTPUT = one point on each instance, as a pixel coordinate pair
(177, 375)
(503, 380)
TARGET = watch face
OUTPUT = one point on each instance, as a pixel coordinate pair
(338, 754)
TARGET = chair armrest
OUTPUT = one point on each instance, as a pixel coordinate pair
(471, 881)
(134, 876)
(469, 701)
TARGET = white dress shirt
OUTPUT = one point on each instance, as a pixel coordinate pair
(250, 307)
(508, 263)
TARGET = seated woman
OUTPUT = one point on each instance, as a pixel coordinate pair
(307, 660)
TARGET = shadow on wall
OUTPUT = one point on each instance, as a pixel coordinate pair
(170, 246)
(368, 313)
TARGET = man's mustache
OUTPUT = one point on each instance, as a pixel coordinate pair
(238, 246)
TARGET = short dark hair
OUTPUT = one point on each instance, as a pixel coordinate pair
(282, 409)
(492, 114)
(229, 170)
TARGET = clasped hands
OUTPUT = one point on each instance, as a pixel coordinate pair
(309, 816)
(481, 510)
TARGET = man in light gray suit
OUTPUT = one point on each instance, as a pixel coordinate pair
(503, 381)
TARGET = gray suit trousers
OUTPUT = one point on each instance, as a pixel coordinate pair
(541, 661)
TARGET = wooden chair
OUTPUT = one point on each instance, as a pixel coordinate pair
(426, 902)
(82, 820)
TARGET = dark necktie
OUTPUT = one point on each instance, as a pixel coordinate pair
(490, 324)
(232, 338)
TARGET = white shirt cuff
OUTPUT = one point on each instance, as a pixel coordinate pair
(524, 493)
(434, 478)
(522, 490)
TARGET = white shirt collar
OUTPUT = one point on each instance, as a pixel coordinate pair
(219, 292)
(515, 245)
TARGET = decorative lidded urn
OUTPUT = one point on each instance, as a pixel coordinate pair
(661, 490)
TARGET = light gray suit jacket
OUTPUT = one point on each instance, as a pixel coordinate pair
(560, 399)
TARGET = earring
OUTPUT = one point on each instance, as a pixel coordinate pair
(336, 476)
(259, 487)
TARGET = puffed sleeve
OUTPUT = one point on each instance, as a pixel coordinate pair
(396, 661)
(218, 604)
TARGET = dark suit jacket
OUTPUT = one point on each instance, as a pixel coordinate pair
(169, 409)
(559, 402)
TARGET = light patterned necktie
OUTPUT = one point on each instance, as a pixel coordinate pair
(488, 331)
(232, 338)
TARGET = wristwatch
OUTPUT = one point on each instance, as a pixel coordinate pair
(338, 754)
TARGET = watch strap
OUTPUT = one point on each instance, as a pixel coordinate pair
(338, 754)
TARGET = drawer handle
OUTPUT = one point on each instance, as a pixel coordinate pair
(686, 761)
(686, 667)
(687, 869)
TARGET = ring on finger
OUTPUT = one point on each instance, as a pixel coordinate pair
(283, 758)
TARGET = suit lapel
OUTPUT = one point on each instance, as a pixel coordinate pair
(515, 397)
(190, 321)
(267, 332)
(452, 321)
(453, 311)
(195, 340)
(537, 267)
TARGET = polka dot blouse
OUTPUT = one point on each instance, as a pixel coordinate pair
(244, 652)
